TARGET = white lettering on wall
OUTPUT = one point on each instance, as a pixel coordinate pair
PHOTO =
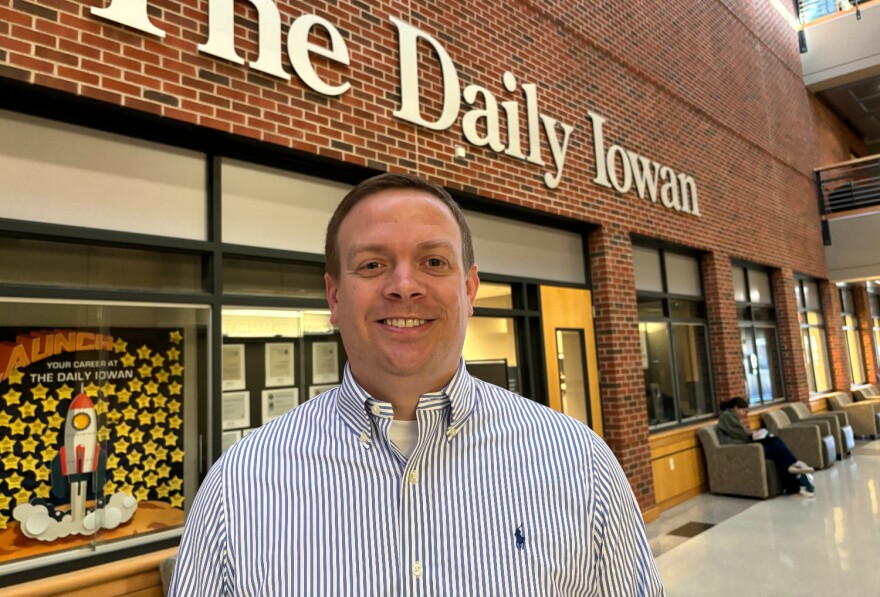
(617, 167)
(483, 122)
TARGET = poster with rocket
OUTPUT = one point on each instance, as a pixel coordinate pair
(92, 443)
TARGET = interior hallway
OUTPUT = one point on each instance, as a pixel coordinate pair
(827, 545)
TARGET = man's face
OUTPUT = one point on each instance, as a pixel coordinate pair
(402, 299)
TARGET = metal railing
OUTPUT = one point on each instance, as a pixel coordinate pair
(848, 186)
(810, 10)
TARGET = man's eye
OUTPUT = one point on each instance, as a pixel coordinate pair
(435, 262)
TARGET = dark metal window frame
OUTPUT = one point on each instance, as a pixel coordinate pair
(806, 326)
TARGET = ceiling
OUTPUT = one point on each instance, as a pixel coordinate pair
(858, 104)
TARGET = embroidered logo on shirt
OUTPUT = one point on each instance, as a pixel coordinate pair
(520, 538)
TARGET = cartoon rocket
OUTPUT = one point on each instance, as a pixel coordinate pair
(80, 464)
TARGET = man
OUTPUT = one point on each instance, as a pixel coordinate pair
(413, 478)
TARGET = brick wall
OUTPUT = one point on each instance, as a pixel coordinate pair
(714, 92)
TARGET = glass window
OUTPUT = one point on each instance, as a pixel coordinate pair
(496, 296)
(874, 302)
(263, 277)
(761, 358)
(490, 351)
(682, 275)
(646, 263)
(674, 342)
(813, 335)
(100, 424)
(853, 336)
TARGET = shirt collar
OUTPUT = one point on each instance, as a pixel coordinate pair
(355, 405)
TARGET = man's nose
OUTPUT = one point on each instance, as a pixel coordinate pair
(404, 283)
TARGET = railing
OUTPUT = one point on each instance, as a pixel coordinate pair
(849, 186)
(810, 10)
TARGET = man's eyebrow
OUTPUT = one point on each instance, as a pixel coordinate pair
(425, 245)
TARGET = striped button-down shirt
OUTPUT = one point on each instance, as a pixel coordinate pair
(502, 496)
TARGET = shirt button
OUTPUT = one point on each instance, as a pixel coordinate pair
(376, 409)
(365, 439)
(450, 433)
(417, 569)
(413, 477)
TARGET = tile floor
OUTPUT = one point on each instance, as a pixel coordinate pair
(827, 545)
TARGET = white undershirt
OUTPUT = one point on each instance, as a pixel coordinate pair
(404, 435)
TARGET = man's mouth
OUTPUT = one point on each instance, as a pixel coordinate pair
(405, 323)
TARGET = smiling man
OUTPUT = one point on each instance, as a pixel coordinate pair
(412, 477)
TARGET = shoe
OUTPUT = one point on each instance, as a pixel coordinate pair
(807, 488)
(800, 467)
(804, 492)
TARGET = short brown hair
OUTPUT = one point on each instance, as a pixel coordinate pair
(386, 182)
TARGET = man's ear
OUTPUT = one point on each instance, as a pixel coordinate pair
(472, 284)
(332, 291)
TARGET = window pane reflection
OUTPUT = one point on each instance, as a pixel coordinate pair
(490, 351)
(657, 368)
(692, 360)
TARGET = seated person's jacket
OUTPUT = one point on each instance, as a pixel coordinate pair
(731, 430)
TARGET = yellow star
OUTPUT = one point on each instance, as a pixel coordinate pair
(12, 397)
(164, 470)
(50, 437)
(170, 439)
(144, 371)
(157, 433)
(5, 419)
(159, 401)
(101, 407)
(125, 488)
(173, 354)
(91, 390)
(103, 434)
(152, 388)
(137, 475)
(121, 445)
(150, 447)
(175, 337)
(29, 444)
(177, 500)
(144, 352)
(145, 418)
(28, 410)
(177, 455)
(158, 360)
(50, 404)
(176, 369)
(108, 389)
(112, 461)
(18, 427)
(134, 457)
(137, 436)
(15, 377)
(23, 496)
(37, 427)
(143, 401)
(42, 473)
(151, 479)
(114, 416)
(175, 483)
(65, 392)
(130, 413)
(42, 491)
(13, 481)
(174, 388)
(10, 462)
(174, 406)
(119, 475)
(49, 454)
(123, 395)
(120, 345)
(6, 444)
(161, 453)
(55, 421)
(175, 422)
(162, 376)
(160, 416)
(135, 385)
(29, 464)
(4, 502)
(39, 391)
(109, 488)
(162, 491)
(142, 494)
(150, 463)
(128, 360)
(123, 429)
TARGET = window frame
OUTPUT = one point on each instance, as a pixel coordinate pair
(807, 337)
